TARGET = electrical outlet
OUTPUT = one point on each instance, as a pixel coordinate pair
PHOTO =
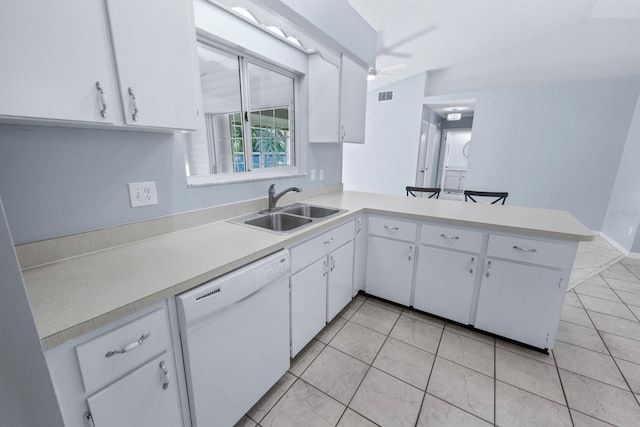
(313, 175)
(143, 194)
(321, 175)
(630, 231)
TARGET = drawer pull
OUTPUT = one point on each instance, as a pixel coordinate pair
(165, 375)
(471, 265)
(388, 227)
(488, 267)
(449, 237)
(518, 248)
(327, 242)
(129, 347)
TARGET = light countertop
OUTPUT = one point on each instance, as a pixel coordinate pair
(76, 295)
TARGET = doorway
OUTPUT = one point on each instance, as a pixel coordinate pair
(427, 156)
(453, 160)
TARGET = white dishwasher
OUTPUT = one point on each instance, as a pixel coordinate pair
(235, 339)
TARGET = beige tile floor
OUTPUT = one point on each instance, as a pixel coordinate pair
(377, 364)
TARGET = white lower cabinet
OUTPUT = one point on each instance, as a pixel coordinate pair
(123, 374)
(321, 283)
(339, 280)
(518, 301)
(147, 396)
(360, 256)
(445, 282)
(390, 269)
(308, 304)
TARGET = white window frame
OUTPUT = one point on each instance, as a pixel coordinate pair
(298, 142)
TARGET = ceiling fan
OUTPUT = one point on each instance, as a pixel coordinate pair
(374, 72)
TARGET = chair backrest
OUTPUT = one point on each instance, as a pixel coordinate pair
(500, 196)
(413, 190)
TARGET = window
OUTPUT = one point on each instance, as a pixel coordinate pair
(249, 114)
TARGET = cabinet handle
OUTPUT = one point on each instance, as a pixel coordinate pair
(518, 248)
(324, 268)
(471, 265)
(328, 242)
(333, 263)
(388, 227)
(344, 132)
(488, 267)
(129, 347)
(103, 100)
(449, 237)
(165, 375)
(410, 252)
(134, 104)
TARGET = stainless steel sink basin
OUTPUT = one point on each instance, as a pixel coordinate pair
(278, 221)
(310, 211)
(288, 218)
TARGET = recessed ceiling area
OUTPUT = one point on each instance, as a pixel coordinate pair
(464, 106)
(477, 44)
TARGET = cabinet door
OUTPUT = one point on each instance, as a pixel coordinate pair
(340, 284)
(353, 100)
(445, 282)
(54, 54)
(140, 399)
(515, 301)
(324, 100)
(360, 257)
(154, 46)
(308, 304)
(390, 269)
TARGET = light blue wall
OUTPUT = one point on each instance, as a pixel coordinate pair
(623, 211)
(386, 162)
(552, 146)
(60, 181)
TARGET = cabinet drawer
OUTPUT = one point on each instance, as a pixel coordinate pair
(98, 369)
(317, 247)
(393, 228)
(451, 238)
(527, 250)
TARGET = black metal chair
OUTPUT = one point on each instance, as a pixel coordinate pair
(413, 190)
(500, 196)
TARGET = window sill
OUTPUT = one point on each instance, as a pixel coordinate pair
(205, 180)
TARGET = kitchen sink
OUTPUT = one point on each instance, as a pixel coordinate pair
(278, 221)
(287, 219)
(311, 211)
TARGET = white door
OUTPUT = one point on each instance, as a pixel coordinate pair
(308, 304)
(54, 52)
(390, 269)
(154, 44)
(426, 153)
(445, 283)
(514, 301)
(340, 284)
(140, 399)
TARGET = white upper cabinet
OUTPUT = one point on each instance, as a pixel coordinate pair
(62, 64)
(154, 49)
(53, 54)
(337, 100)
(353, 100)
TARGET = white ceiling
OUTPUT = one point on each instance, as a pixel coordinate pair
(476, 44)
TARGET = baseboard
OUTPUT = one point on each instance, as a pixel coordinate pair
(612, 242)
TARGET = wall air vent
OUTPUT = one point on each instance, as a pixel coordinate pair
(385, 96)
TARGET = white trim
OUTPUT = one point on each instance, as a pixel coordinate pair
(227, 178)
(617, 245)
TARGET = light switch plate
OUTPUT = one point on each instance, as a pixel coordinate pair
(143, 194)
(321, 175)
(313, 175)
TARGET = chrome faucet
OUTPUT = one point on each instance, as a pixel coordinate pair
(273, 197)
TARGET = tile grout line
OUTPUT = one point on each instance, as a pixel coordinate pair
(433, 365)
(495, 384)
(562, 387)
(623, 301)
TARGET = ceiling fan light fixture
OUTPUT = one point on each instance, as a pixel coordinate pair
(372, 74)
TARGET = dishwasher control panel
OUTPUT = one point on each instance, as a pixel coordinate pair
(272, 270)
